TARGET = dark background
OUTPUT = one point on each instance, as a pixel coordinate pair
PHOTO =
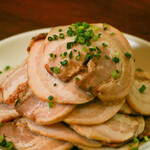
(130, 16)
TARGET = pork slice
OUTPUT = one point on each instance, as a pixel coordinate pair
(24, 139)
(42, 83)
(119, 129)
(140, 101)
(41, 113)
(7, 113)
(15, 85)
(61, 132)
(94, 112)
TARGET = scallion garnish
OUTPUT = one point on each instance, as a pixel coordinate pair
(112, 33)
(146, 139)
(88, 56)
(50, 97)
(98, 49)
(51, 55)
(116, 59)
(75, 50)
(89, 89)
(77, 79)
(60, 30)
(62, 36)
(78, 56)
(50, 38)
(50, 104)
(55, 37)
(91, 48)
(70, 54)
(105, 25)
(106, 56)
(81, 39)
(105, 45)
(1, 72)
(69, 44)
(17, 101)
(128, 55)
(139, 69)
(55, 70)
(115, 73)
(54, 84)
(7, 67)
(63, 63)
(142, 88)
(88, 44)
(135, 140)
(9, 145)
(83, 49)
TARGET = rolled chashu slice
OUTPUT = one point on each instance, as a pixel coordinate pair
(140, 102)
(97, 73)
(61, 132)
(119, 129)
(147, 128)
(7, 112)
(39, 111)
(126, 109)
(124, 147)
(94, 112)
(24, 139)
(42, 83)
(15, 85)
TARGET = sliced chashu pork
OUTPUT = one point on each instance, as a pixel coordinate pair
(7, 113)
(140, 102)
(98, 72)
(94, 112)
(15, 85)
(147, 128)
(42, 83)
(126, 109)
(61, 132)
(39, 111)
(124, 147)
(119, 129)
(24, 139)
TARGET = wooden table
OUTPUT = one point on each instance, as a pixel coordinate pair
(130, 16)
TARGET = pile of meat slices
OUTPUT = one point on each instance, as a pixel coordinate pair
(107, 117)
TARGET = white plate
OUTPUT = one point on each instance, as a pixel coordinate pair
(13, 52)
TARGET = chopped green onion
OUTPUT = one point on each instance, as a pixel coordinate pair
(146, 139)
(105, 45)
(51, 55)
(78, 56)
(116, 59)
(142, 88)
(112, 33)
(95, 28)
(115, 73)
(54, 84)
(77, 79)
(17, 101)
(85, 24)
(69, 28)
(62, 36)
(130, 145)
(50, 97)
(91, 48)
(63, 55)
(135, 148)
(63, 63)
(106, 56)
(1, 124)
(50, 38)
(2, 138)
(88, 44)
(55, 37)
(50, 104)
(128, 55)
(7, 67)
(55, 70)
(135, 140)
(69, 44)
(117, 54)
(1, 72)
(60, 30)
(70, 32)
(81, 39)
(75, 50)
(9, 145)
(95, 37)
(70, 54)
(139, 69)
(97, 55)
(99, 51)
(83, 49)
(89, 89)
(88, 56)
(105, 25)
